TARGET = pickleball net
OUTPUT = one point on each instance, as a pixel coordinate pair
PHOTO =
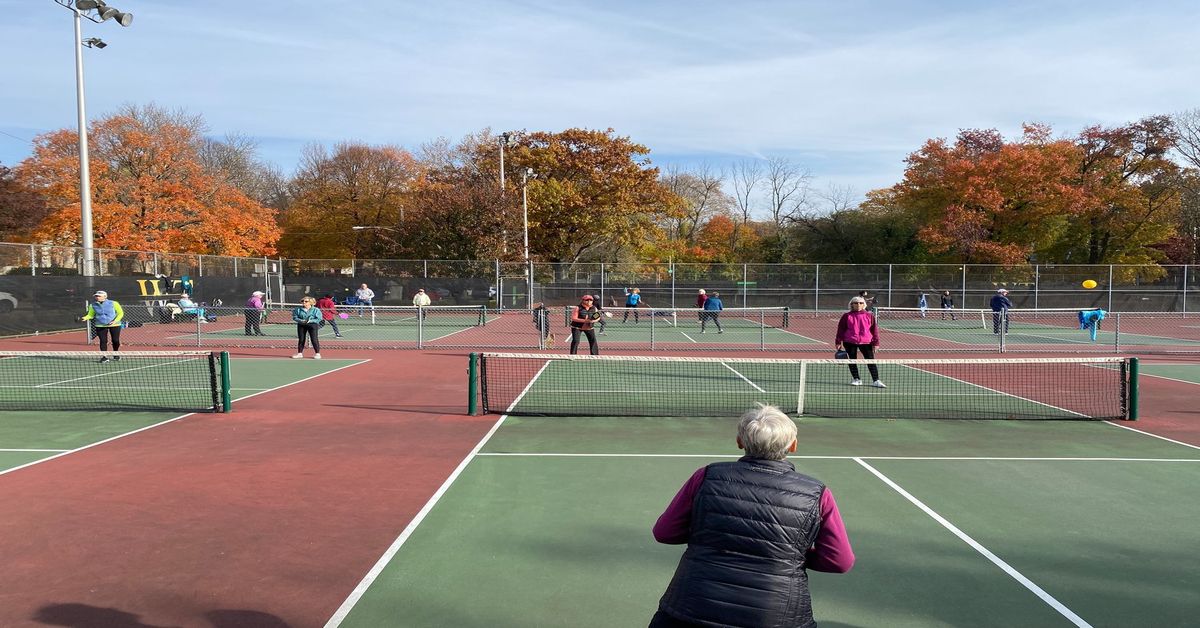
(391, 315)
(1034, 388)
(168, 381)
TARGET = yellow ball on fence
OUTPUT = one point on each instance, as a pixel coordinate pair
(1089, 284)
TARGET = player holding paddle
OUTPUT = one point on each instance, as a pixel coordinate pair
(583, 317)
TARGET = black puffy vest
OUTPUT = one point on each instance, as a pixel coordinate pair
(752, 524)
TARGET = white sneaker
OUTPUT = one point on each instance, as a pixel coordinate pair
(297, 356)
(878, 384)
(317, 356)
(856, 382)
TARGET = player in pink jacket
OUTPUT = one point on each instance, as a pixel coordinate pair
(857, 331)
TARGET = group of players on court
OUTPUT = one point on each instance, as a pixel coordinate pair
(589, 317)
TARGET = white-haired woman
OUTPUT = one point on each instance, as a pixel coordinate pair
(856, 332)
(753, 527)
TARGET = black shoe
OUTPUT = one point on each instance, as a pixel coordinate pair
(103, 360)
(116, 358)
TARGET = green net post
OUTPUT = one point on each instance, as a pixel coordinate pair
(1133, 389)
(226, 386)
(472, 385)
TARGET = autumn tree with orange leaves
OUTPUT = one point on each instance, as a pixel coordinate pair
(149, 189)
(984, 200)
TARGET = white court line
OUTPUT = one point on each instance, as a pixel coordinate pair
(793, 457)
(1170, 379)
(735, 372)
(1008, 569)
(340, 614)
(1169, 440)
(109, 371)
(685, 335)
(34, 450)
(170, 420)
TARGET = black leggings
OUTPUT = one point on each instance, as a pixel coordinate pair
(104, 332)
(868, 353)
(593, 348)
(309, 329)
(629, 307)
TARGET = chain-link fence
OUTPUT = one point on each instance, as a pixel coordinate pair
(42, 288)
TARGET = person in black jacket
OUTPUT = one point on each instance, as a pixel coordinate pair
(752, 528)
(1000, 307)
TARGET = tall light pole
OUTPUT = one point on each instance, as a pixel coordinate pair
(103, 13)
(504, 139)
(526, 175)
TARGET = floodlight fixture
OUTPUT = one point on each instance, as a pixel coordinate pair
(79, 10)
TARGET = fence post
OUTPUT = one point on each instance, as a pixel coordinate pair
(602, 284)
(762, 330)
(1037, 276)
(671, 272)
(420, 329)
(1117, 334)
(1110, 286)
(200, 265)
(499, 288)
(425, 268)
(963, 304)
(745, 285)
(1185, 269)
(33, 268)
(889, 285)
(817, 289)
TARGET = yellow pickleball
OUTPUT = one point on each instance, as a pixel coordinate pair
(1090, 283)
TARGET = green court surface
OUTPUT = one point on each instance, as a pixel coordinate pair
(1180, 372)
(549, 524)
(28, 436)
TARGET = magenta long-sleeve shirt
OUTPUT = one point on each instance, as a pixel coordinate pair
(831, 551)
(859, 328)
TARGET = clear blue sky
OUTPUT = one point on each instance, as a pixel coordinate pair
(846, 88)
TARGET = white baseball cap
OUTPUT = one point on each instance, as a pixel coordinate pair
(256, 293)
(100, 293)
(1002, 291)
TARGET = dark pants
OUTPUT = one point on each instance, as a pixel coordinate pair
(104, 332)
(635, 313)
(253, 322)
(713, 316)
(332, 323)
(593, 347)
(996, 318)
(950, 311)
(868, 352)
(310, 330)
